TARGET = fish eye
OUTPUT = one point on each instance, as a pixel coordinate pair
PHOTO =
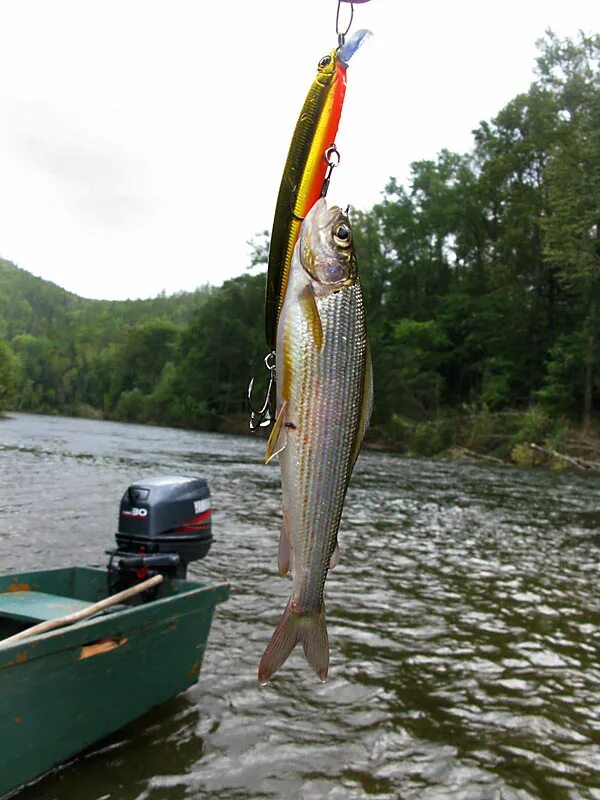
(342, 235)
(324, 62)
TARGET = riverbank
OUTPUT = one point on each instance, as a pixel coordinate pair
(531, 438)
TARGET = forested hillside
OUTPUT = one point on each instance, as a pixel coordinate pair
(482, 280)
(64, 353)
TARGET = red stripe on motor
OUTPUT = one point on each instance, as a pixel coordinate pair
(202, 517)
(195, 524)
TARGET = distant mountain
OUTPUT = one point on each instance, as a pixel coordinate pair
(180, 360)
(31, 305)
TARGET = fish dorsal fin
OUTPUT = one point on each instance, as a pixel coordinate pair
(366, 408)
(308, 305)
(278, 438)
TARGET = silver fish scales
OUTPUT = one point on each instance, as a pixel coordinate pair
(324, 400)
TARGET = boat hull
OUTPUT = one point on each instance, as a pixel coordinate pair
(64, 690)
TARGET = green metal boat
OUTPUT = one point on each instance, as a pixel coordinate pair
(64, 689)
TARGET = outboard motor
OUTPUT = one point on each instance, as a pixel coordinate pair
(164, 523)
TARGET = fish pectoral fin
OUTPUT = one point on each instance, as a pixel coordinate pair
(308, 306)
(335, 557)
(278, 438)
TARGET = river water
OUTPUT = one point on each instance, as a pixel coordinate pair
(464, 623)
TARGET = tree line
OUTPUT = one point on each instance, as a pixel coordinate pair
(482, 283)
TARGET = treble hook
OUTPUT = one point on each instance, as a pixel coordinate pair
(342, 34)
(265, 413)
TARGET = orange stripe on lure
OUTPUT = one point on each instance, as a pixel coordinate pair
(304, 171)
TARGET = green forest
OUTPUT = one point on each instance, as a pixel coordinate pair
(482, 284)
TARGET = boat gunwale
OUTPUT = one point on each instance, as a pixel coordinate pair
(128, 619)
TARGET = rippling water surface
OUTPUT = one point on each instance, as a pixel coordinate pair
(463, 621)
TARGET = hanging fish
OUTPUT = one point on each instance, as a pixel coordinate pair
(305, 169)
(324, 401)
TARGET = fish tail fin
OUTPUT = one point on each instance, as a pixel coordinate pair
(310, 629)
(315, 641)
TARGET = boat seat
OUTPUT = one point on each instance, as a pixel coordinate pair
(38, 606)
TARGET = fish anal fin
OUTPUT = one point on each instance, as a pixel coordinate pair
(308, 305)
(278, 438)
(284, 552)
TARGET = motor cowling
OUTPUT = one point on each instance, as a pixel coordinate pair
(164, 524)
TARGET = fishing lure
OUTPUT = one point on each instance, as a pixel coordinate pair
(305, 176)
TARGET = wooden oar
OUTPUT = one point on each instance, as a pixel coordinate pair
(69, 619)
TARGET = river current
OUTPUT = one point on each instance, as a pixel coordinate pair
(464, 625)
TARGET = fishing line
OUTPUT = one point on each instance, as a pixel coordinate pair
(342, 34)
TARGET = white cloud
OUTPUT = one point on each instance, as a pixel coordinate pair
(142, 143)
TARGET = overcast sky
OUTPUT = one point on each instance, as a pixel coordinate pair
(142, 143)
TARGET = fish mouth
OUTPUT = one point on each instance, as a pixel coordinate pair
(319, 218)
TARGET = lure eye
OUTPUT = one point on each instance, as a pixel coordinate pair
(342, 235)
(324, 62)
